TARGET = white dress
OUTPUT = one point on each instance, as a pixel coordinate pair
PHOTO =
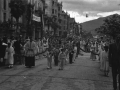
(105, 61)
(75, 52)
(10, 53)
(101, 60)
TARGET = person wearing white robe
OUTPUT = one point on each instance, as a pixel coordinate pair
(9, 55)
(75, 53)
(101, 50)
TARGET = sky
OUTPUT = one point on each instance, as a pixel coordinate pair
(93, 8)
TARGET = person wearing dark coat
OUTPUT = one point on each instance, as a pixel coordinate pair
(71, 56)
(78, 48)
(114, 59)
(17, 47)
(3, 50)
(1, 59)
(56, 53)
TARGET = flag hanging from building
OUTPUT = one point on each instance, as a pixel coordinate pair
(36, 18)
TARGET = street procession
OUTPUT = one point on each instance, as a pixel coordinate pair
(44, 46)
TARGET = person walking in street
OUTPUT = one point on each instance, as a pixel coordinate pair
(56, 53)
(93, 56)
(75, 52)
(3, 49)
(22, 55)
(39, 46)
(1, 59)
(66, 52)
(9, 55)
(30, 48)
(17, 47)
(49, 59)
(71, 56)
(61, 58)
(105, 60)
(114, 59)
(78, 48)
(101, 49)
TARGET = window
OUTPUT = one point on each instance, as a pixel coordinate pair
(58, 8)
(55, 11)
(64, 22)
(4, 4)
(52, 3)
(60, 33)
(52, 11)
(60, 27)
(58, 15)
(4, 16)
(64, 27)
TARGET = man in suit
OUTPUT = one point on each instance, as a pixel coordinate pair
(114, 60)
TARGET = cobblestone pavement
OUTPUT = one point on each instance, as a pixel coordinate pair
(84, 74)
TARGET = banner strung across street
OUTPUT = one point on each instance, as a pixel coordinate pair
(36, 18)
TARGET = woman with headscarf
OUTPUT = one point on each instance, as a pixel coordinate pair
(30, 49)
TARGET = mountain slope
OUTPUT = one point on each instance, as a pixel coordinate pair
(90, 26)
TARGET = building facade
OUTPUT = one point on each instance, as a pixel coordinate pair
(52, 12)
(53, 9)
(4, 10)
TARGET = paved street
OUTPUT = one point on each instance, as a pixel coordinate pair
(84, 74)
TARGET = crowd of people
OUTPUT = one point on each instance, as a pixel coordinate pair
(20, 51)
(24, 51)
(14, 51)
(107, 52)
(99, 51)
(62, 55)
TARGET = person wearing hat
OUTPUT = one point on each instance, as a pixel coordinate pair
(114, 59)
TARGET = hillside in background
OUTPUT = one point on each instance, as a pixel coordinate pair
(90, 26)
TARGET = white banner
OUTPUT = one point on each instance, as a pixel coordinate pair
(36, 18)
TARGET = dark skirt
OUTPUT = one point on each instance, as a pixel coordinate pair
(70, 58)
(56, 60)
(29, 61)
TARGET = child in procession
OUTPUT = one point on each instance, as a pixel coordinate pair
(61, 58)
(49, 59)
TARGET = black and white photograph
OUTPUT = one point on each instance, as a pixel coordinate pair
(59, 44)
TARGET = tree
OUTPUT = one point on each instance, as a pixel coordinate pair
(111, 26)
(17, 9)
(55, 24)
(29, 13)
(5, 27)
(48, 21)
(51, 22)
(43, 17)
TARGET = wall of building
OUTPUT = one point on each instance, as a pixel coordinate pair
(48, 10)
(4, 10)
